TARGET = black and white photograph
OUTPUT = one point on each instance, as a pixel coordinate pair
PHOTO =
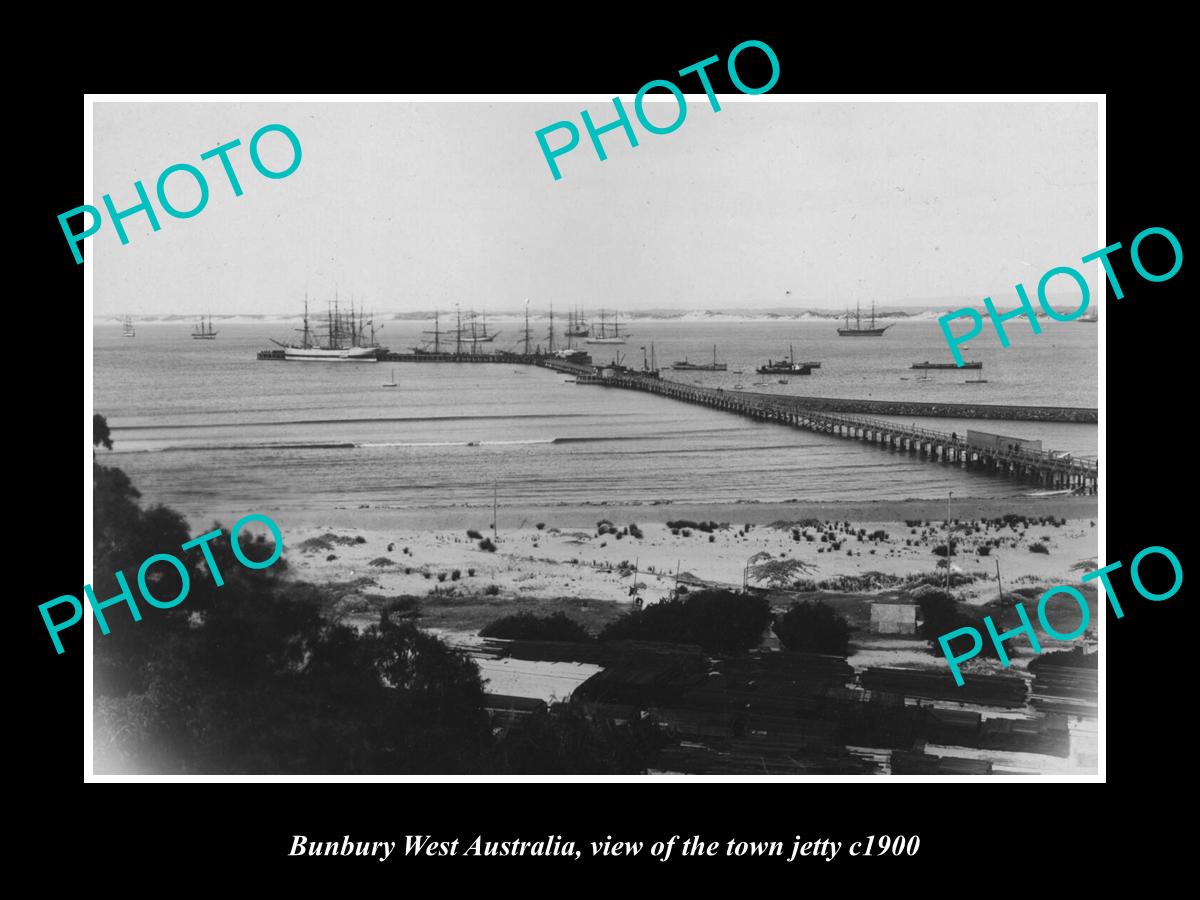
(425, 446)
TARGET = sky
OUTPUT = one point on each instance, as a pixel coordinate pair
(768, 203)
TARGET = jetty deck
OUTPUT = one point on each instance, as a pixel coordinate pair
(840, 417)
(1048, 469)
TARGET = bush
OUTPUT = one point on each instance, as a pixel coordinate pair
(635, 531)
(456, 574)
(471, 572)
(720, 621)
(441, 576)
(359, 539)
(474, 535)
(813, 628)
(541, 525)
(940, 549)
(380, 562)
(492, 590)
(529, 627)
(984, 550)
(486, 544)
(940, 615)
(1039, 547)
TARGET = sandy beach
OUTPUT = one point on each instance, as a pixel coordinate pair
(550, 557)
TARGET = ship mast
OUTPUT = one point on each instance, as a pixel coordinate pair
(551, 345)
(526, 326)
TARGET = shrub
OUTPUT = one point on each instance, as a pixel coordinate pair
(486, 544)
(634, 531)
(984, 550)
(940, 615)
(1039, 547)
(720, 621)
(331, 557)
(441, 576)
(813, 627)
(471, 572)
(380, 562)
(492, 590)
(940, 549)
(474, 535)
(541, 525)
(359, 539)
(529, 627)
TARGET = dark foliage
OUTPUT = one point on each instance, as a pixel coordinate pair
(486, 544)
(101, 436)
(565, 741)
(813, 628)
(719, 621)
(251, 677)
(941, 614)
(529, 627)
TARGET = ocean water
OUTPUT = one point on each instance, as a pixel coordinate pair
(203, 425)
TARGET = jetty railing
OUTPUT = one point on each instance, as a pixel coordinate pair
(1047, 468)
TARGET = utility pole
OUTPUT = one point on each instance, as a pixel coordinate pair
(550, 346)
(495, 498)
(999, 586)
(527, 326)
(948, 550)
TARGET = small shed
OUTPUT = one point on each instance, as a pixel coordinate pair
(893, 618)
(987, 441)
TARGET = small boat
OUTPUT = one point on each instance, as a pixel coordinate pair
(975, 381)
(931, 365)
(391, 383)
(714, 366)
(787, 366)
(128, 331)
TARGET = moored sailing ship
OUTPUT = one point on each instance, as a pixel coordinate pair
(342, 340)
(204, 330)
(858, 330)
(576, 325)
(127, 327)
(606, 335)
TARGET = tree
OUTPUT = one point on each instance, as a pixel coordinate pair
(566, 741)
(779, 573)
(529, 627)
(940, 614)
(813, 627)
(100, 432)
(251, 677)
(720, 621)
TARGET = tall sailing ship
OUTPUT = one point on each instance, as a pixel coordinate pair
(127, 327)
(577, 326)
(342, 339)
(858, 330)
(204, 330)
(606, 335)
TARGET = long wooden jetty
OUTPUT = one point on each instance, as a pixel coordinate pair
(834, 416)
(1049, 469)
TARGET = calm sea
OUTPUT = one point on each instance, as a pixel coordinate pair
(203, 425)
